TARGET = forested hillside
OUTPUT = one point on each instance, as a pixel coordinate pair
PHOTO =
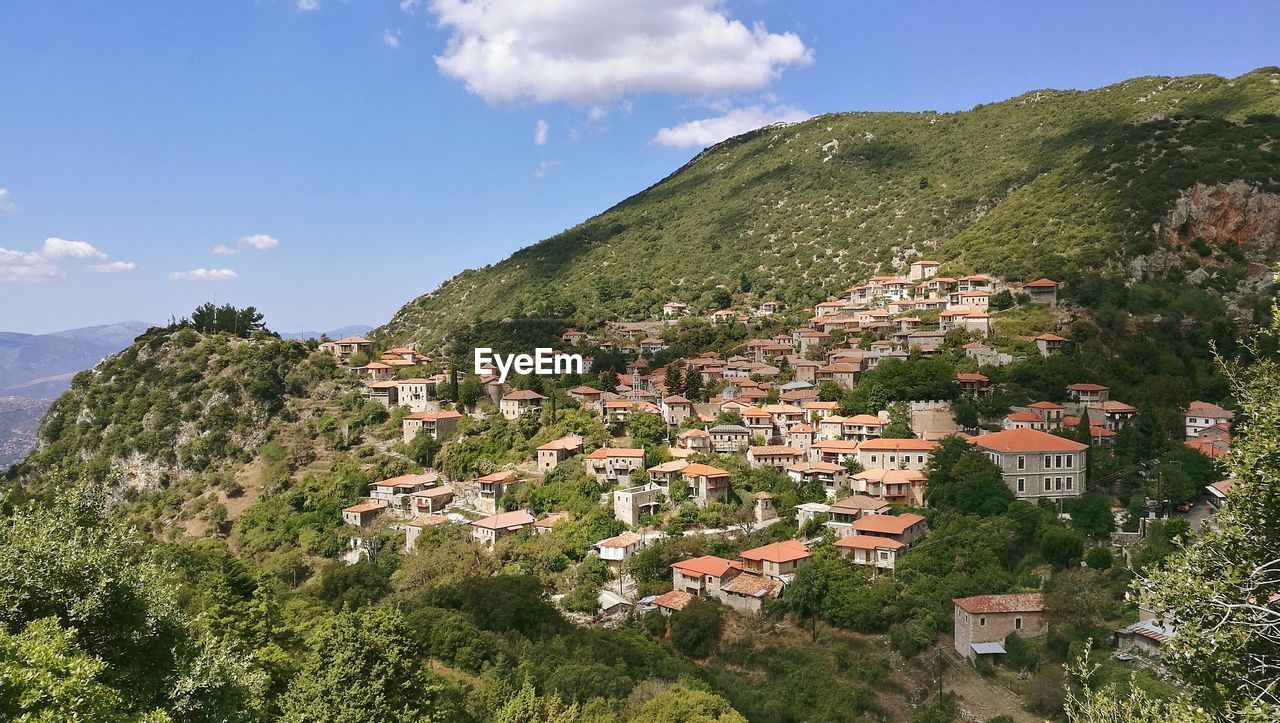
(1062, 183)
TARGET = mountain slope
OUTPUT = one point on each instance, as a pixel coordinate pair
(1050, 182)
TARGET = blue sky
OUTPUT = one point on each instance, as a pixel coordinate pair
(349, 155)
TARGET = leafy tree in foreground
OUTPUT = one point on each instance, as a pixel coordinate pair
(1223, 590)
(696, 629)
(687, 705)
(363, 667)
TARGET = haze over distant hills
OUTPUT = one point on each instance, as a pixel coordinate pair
(338, 333)
(36, 368)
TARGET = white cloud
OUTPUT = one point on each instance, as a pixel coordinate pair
(6, 202)
(257, 241)
(540, 132)
(307, 6)
(43, 264)
(114, 267)
(409, 6)
(391, 39)
(591, 52)
(203, 275)
(58, 249)
(544, 168)
(27, 266)
(708, 131)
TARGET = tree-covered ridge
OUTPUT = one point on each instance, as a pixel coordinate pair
(178, 402)
(1051, 182)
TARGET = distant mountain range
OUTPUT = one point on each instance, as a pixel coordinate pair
(37, 368)
(340, 332)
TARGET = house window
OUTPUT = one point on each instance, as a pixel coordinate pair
(1047, 483)
(1057, 461)
(1048, 462)
(873, 459)
(893, 459)
(1022, 484)
(1057, 483)
(1071, 461)
(1022, 462)
(1068, 483)
(920, 459)
(1017, 623)
(982, 621)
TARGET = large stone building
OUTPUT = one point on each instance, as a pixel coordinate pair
(1037, 464)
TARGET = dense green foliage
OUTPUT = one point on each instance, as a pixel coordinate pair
(177, 399)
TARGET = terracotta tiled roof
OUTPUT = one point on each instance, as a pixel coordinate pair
(891, 445)
(867, 542)
(887, 524)
(778, 552)
(859, 503)
(1088, 388)
(506, 520)
(607, 452)
(1029, 602)
(1040, 283)
(775, 450)
(704, 470)
(752, 586)
(675, 600)
(705, 565)
(523, 395)
(1027, 440)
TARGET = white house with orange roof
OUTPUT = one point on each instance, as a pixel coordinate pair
(610, 464)
(1087, 395)
(828, 474)
(776, 561)
(895, 486)
(706, 483)
(701, 576)
(905, 528)
(777, 456)
(437, 425)
(895, 453)
(489, 530)
(835, 451)
(880, 553)
(558, 450)
(347, 346)
(1202, 415)
(801, 436)
(492, 487)
(1036, 464)
(1048, 344)
(517, 403)
(923, 269)
(843, 513)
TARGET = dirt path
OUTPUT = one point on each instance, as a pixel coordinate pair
(979, 696)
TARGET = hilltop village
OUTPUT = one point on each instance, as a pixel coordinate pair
(838, 432)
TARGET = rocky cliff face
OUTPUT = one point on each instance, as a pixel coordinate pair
(1223, 215)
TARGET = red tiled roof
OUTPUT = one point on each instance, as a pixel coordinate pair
(889, 445)
(705, 565)
(867, 542)
(1088, 388)
(506, 520)
(434, 416)
(1028, 602)
(859, 502)
(1039, 283)
(887, 524)
(1027, 440)
(704, 470)
(778, 552)
(1051, 337)
(675, 600)
(522, 395)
